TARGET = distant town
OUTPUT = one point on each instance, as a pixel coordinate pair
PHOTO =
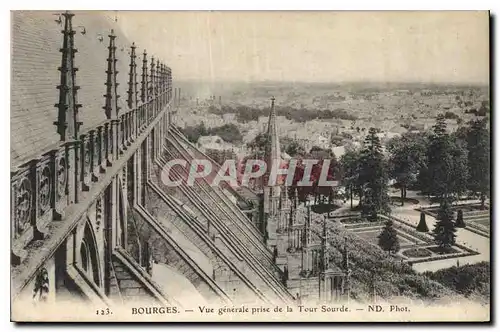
(329, 116)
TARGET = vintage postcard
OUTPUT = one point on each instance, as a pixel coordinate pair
(250, 166)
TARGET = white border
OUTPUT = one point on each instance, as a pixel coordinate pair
(192, 5)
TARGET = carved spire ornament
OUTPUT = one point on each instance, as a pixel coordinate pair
(157, 79)
(144, 80)
(132, 82)
(152, 80)
(111, 107)
(67, 118)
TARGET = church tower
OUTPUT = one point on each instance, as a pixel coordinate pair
(272, 189)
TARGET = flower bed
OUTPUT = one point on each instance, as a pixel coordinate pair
(439, 251)
(469, 209)
(372, 236)
(324, 208)
(364, 225)
(417, 253)
(437, 258)
(408, 228)
(397, 200)
(360, 220)
(477, 230)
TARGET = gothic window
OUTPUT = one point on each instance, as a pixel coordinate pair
(85, 256)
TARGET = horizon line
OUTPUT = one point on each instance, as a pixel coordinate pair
(482, 84)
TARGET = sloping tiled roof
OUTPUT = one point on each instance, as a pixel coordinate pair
(36, 40)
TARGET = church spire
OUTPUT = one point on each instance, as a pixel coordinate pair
(111, 107)
(273, 152)
(67, 119)
(296, 199)
(324, 246)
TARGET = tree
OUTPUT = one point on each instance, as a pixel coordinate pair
(459, 168)
(439, 170)
(460, 219)
(350, 164)
(478, 145)
(444, 230)
(318, 192)
(193, 133)
(336, 140)
(295, 149)
(422, 225)
(258, 144)
(407, 155)
(373, 177)
(229, 132)
(388, 238)
(484, 109)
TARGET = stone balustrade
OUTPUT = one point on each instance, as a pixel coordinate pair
(43, 187)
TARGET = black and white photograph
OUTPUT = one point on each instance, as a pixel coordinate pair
(250, 166)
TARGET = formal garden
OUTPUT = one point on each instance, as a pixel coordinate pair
(413, 246)
(475, 218)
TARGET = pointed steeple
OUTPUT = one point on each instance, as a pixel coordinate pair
(132, 81)
(294, 207)
(144, 80)
(111, 107)
(273, 151)
(67, 118)
(346, 256)
(286, 199)
(324, 247)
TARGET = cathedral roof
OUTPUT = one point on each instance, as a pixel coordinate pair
(35, 58)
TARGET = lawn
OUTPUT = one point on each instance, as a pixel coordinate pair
(481, 221)
(372, 236)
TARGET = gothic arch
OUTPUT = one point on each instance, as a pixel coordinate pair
(122, 205)
(88, 254)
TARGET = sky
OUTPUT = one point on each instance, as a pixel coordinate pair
(438, 47)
